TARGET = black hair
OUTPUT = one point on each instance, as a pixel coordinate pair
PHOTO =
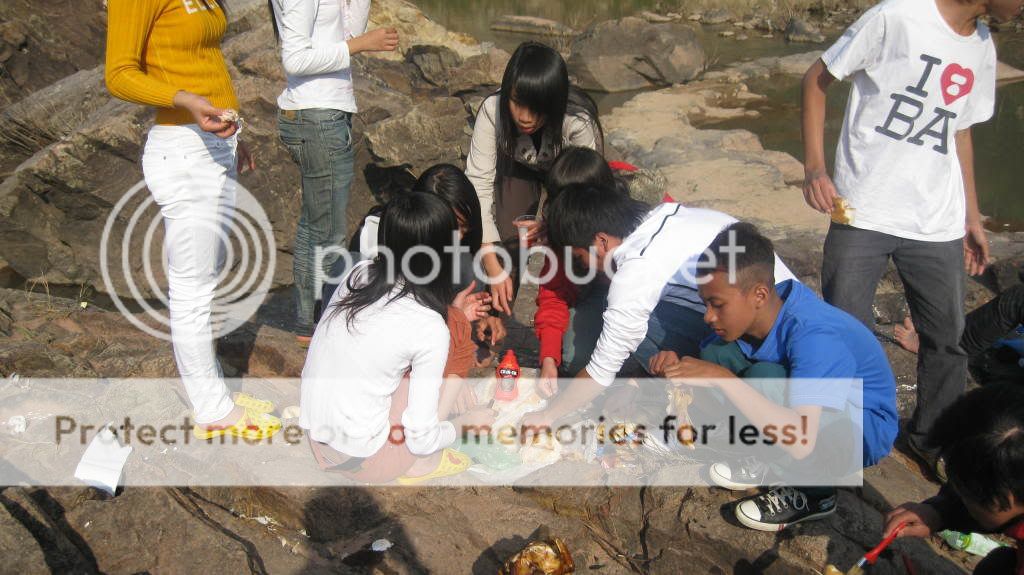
(537, 77)
(451, 183)
(580, 212)
(273, 20)
(742, 243)
(981, 438)
(577, 165)
(414, 220)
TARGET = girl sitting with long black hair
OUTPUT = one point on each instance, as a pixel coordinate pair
(374, 395)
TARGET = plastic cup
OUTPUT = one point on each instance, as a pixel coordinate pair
(524, 224)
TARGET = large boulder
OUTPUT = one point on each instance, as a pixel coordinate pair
(632, 54)
(434, 62)
(431, 132)
(799, 30)
(415, 28)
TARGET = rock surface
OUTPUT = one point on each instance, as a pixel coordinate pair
(631, 53)
(42, 42)
(725, 170)
(532, 26)
(798, 30)
(71, 168)
(71, 174)
(328, 528)
(716, 16)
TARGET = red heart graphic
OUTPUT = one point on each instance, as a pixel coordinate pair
(953, 89)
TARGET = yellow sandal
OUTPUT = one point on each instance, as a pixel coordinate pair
(249, 402)
(452, 463)
(252, 426)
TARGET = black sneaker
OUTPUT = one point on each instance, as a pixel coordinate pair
(739, 474)
(932, 462)
(781, 507)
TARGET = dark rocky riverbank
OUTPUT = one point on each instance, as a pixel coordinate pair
(71, 152)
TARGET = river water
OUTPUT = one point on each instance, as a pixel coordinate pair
(999, 143)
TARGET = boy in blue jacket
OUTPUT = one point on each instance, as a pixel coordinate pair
(806, 364)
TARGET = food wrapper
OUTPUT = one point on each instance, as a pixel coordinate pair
(679, 400)
(544, 557)
(842, 213)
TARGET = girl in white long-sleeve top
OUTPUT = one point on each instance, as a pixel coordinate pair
(374, 395)
(318, 39)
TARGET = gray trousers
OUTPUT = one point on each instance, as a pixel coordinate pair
(933, 279)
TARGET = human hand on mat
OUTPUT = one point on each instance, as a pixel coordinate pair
(466, 400)
(474, 418)
(819, 191)
(661, 361)
(922, 520)
(500, 280)
(501, 296)
(495, 325)
(474, 305)
(536, 422)
(547, 381)
(696, 372)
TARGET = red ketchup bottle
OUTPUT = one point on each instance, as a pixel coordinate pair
(507, 388)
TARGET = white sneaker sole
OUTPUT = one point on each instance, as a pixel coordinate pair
(726, 483)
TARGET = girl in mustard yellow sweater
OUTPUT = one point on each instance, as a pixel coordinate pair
(166, 54)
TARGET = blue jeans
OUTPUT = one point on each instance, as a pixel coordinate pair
(670, 327)
(320, 142)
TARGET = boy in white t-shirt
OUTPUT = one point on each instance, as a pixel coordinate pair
(923, 72)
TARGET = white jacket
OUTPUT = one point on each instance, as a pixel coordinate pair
(658, 261)
(350, 376)
(314, 50)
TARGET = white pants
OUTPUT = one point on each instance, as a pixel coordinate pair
(191, 175)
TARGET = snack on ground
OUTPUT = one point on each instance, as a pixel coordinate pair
(547, 557)
(832, 570)
(510, 414)
(679, 400)
(842, 213)
(621, 434)
(543, 449)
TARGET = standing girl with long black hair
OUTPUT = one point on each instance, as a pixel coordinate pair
(519, 132)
